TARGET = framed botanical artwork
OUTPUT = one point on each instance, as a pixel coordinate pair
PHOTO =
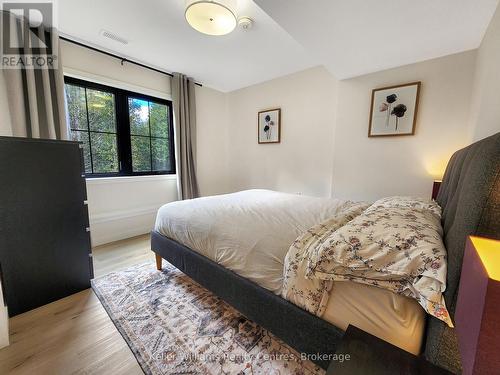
(269, 126)
(394, 110)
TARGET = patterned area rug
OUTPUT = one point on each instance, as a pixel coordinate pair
(175, 326)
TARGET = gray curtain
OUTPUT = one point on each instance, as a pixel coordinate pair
(183, 98)
(35, 94)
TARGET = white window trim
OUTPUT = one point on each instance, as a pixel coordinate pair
(129, 179)
(86, 76)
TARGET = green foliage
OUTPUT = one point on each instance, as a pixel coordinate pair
(139, 116)
(141, 155)
(104, 152)
(77, 111)
(149, 118)
(92, 118)
(159, 118)
(161, 157)
(101, 111)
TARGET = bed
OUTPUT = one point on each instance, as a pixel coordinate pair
(244, 266)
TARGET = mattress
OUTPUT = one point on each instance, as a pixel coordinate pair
(250, 232)
(394, 318)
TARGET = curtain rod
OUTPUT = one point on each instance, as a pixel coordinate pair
(122, 59)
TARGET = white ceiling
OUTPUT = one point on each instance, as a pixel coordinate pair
(349, 37)
(355, 37)
(158, 35)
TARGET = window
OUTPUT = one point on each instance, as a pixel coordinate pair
(123, 133)
(148, 135)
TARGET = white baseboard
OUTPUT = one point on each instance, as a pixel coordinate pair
(102, 239)
(119, 225)
(123, 214)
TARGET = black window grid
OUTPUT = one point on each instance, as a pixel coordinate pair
(150, 136)
(123, 134)
(88, 131)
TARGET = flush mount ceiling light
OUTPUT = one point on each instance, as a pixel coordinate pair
(211, 17)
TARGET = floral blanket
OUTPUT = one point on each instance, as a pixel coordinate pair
(394, 244)
(312, 294)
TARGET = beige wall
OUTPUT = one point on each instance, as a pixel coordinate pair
(126, 206)
(121, 207)
(212, 141)
(325, 149)
(86, 63)
(369, 168)
(485, 111)
(302, 162)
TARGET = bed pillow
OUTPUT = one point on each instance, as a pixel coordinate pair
(394, 244)
(408, 202)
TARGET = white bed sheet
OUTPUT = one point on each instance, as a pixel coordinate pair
(394, 318)
(250, 232)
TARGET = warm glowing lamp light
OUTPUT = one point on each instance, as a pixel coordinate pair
(211, 17)
(477, 315)
(489, 252)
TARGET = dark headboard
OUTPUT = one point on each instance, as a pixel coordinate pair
(470, 198)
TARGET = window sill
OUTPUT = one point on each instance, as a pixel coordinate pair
(129, 179)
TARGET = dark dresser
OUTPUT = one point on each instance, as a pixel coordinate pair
(45, 251)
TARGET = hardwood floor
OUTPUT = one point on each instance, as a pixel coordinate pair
(75, 335)
(121, 254)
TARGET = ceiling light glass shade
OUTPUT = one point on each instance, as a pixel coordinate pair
(211, 17)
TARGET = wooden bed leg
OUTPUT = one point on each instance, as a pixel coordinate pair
(158, 262)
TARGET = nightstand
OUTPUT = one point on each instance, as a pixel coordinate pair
(369, 355)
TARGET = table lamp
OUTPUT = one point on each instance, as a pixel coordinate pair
(477, 315)
(436, 184)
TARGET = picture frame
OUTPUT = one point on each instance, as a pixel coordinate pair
(393, 110)
(269, 126)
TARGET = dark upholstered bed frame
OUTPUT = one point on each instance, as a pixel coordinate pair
(470, 199)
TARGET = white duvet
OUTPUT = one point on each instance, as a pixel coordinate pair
(248, 232)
